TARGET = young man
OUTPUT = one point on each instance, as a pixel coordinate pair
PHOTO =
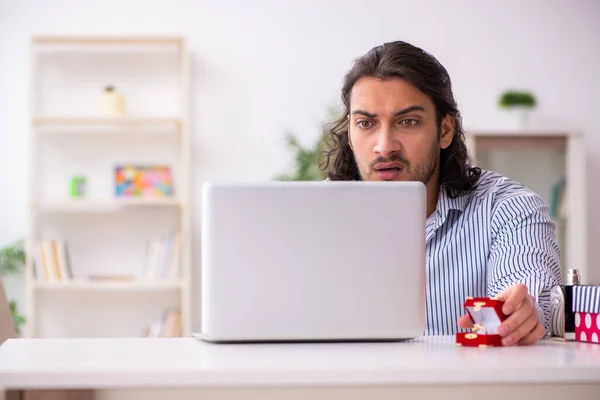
(486, 235)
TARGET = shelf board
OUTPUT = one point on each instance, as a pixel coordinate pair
(99, 120)
(523, 142)
(520, 132)
(108, 40)
(90, 285)
(85, 205)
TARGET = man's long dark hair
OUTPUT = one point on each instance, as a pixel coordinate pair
(403, 60)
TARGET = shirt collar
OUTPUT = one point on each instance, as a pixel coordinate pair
(445, 203)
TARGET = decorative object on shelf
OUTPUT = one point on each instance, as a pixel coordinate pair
(12, 261)
(519, 104)
(150, 181)
(78, 186)
(486, 314)
(112, 102)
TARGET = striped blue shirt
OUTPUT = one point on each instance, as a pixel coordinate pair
(479, 244)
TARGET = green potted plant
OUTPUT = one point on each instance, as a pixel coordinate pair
(307, 159)
(12, 261)
(519, 104)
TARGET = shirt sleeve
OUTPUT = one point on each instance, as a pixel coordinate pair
(524, 250)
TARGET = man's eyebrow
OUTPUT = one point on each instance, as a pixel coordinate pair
(365, 113)
(409, 109)
(397, 113)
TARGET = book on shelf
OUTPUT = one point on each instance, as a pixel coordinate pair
(168, 326)
(162, 258)
(51, 261)
(558, 205)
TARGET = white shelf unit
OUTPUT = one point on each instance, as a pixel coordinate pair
(105, 236)
(541, 160)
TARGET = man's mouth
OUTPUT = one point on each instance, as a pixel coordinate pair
(388, 171)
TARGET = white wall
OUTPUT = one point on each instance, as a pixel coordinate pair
(268, 66)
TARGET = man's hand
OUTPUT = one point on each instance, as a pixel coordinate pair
(523, 326)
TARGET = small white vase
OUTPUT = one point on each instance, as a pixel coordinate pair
(112, 103)
(519, 117)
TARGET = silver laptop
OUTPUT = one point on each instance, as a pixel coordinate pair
(313, 261)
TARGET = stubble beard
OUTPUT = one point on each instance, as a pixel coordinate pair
(425, 171)
(421, 173)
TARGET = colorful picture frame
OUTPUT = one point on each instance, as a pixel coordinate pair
(148, 181)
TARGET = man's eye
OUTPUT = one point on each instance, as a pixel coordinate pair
(364, 124)
(409, 122)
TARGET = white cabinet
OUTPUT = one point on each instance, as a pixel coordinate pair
(553, 165)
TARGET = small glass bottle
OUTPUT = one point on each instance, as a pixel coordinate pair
(562, 315)
(572, 280)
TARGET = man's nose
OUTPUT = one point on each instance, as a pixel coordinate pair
(386, 144)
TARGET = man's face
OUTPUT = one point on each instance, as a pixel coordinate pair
(392, 131)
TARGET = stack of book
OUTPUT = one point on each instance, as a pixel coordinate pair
(51, 260)
(169, 326)
(162, 258)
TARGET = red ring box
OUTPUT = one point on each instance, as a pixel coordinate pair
(486, 313)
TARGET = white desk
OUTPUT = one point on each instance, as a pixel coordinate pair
(184, 368)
